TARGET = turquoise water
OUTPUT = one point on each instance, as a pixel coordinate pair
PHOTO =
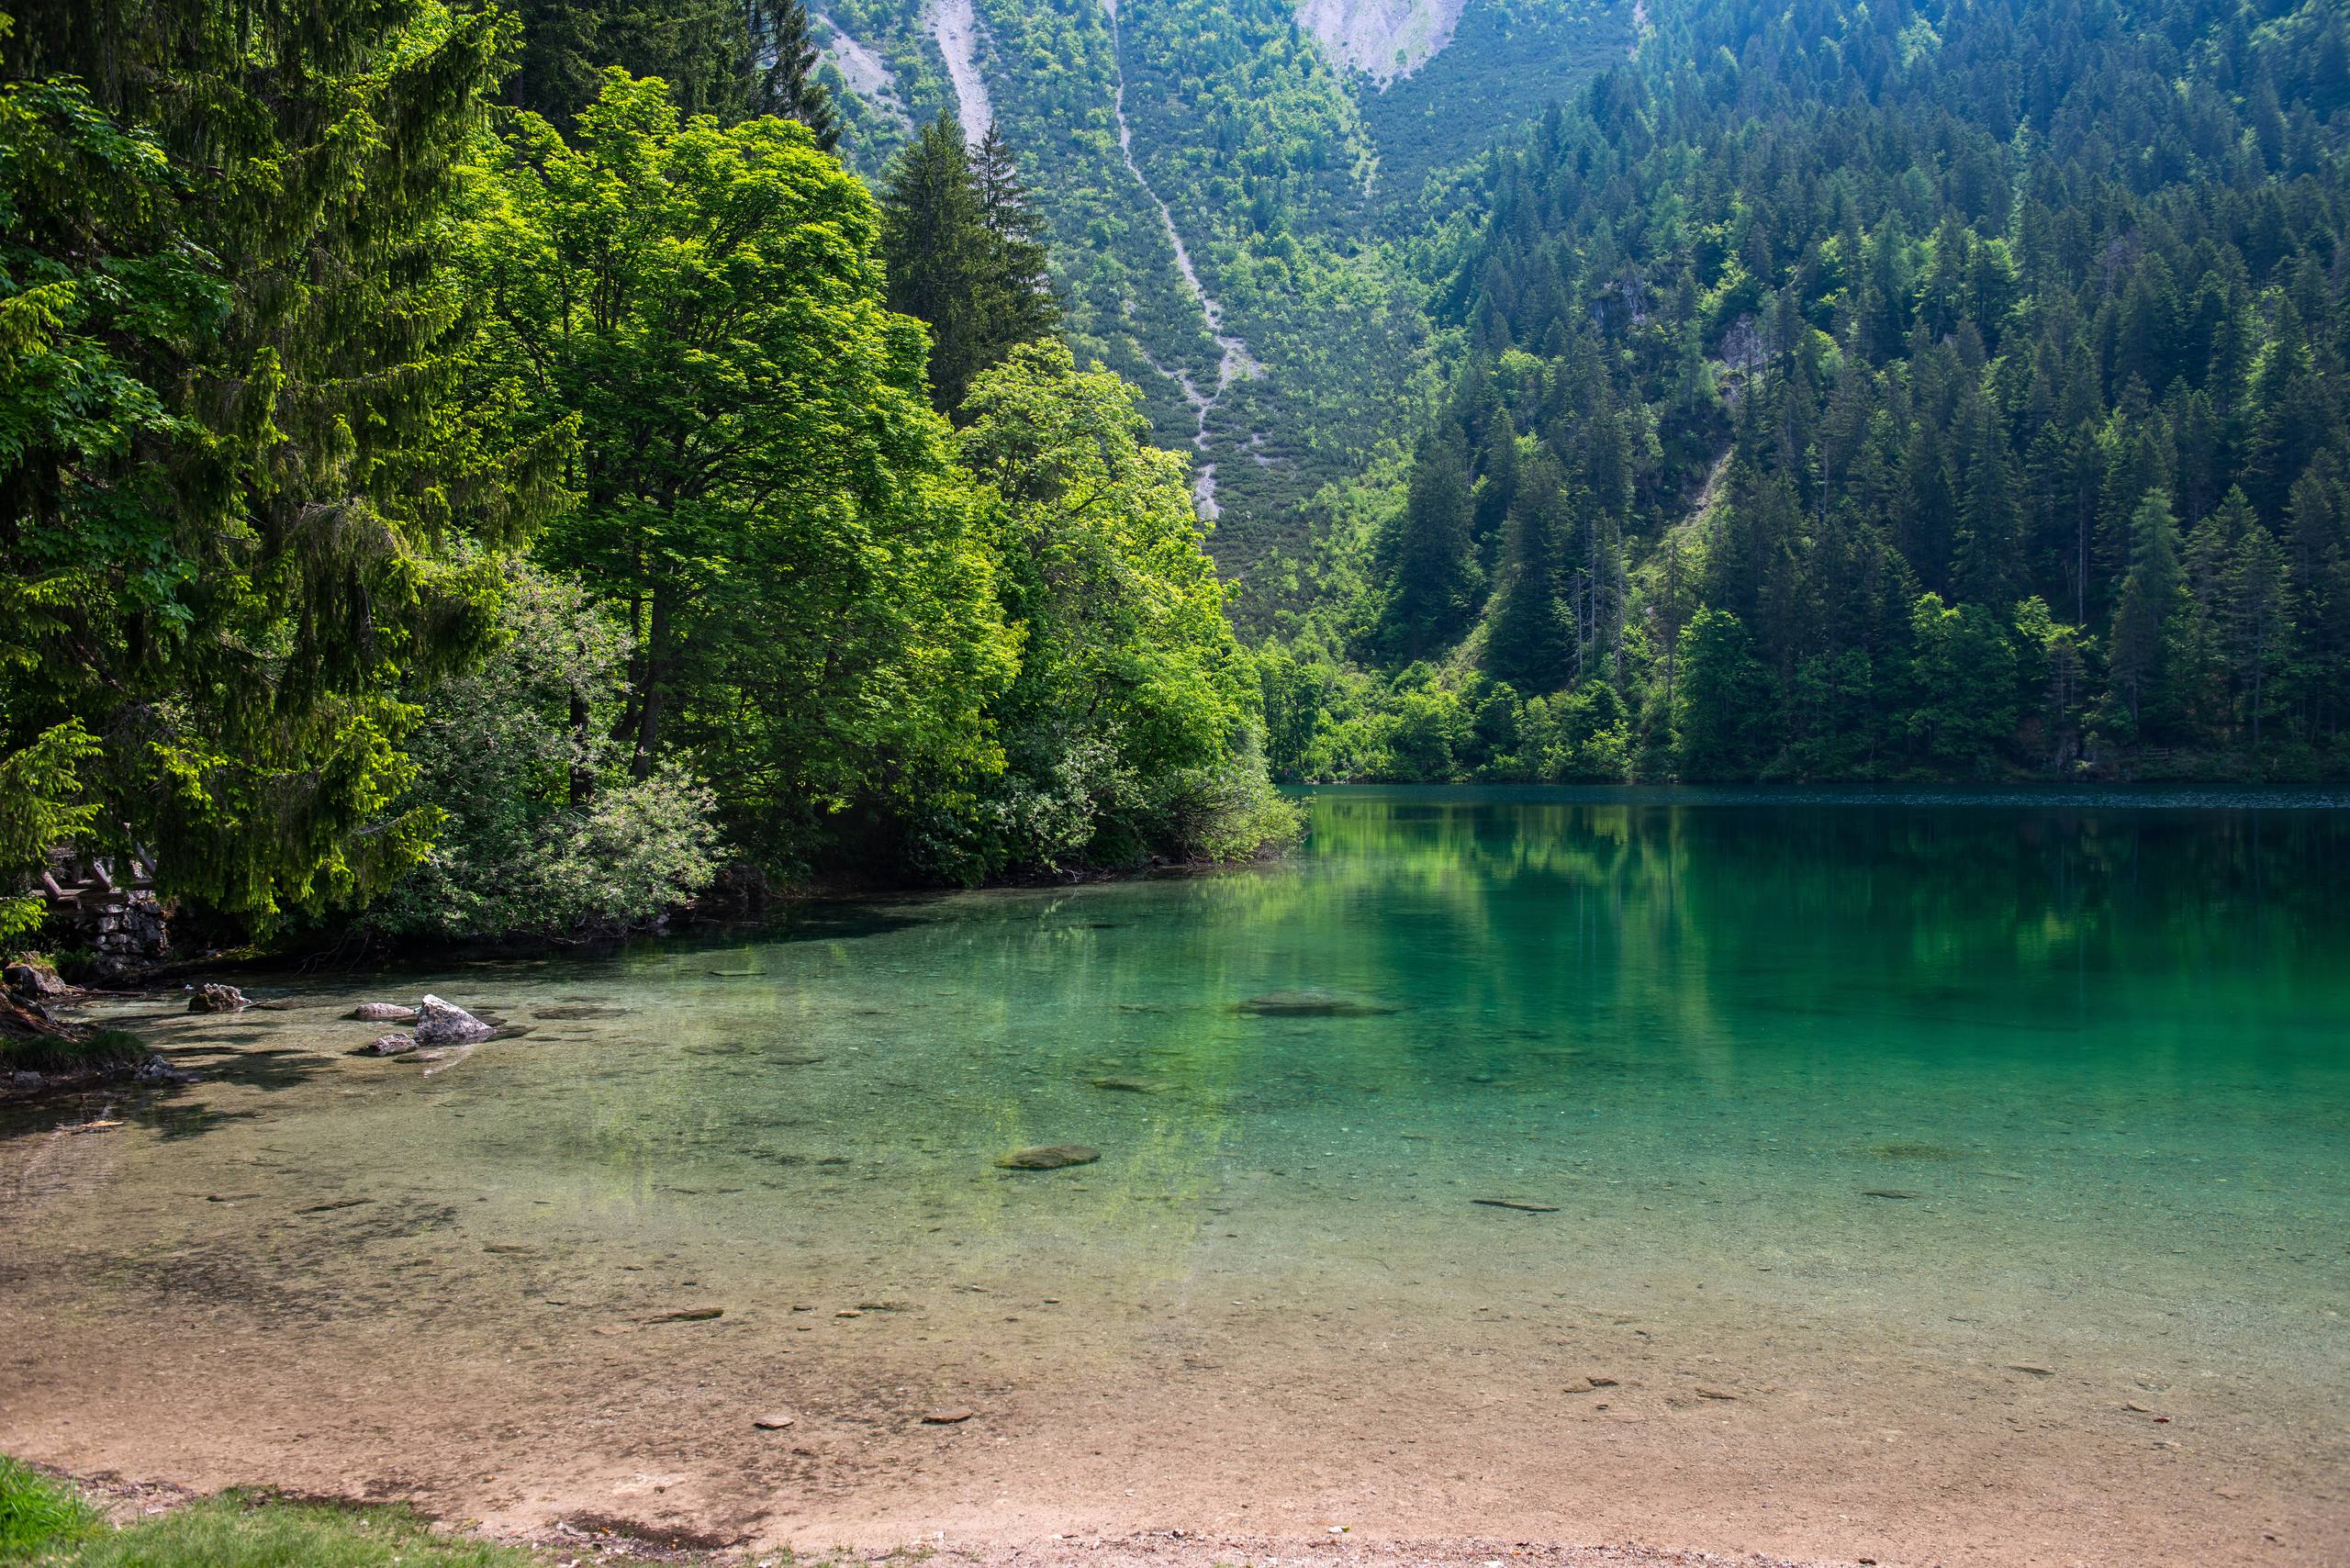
(2010, 1083)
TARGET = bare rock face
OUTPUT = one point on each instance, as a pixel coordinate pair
(441, 1022)
(214, 997)
(382, 1013)
(1384, 39)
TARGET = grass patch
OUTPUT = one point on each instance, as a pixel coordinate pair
(46, 1523)
(38, 1513)
(107, 1050)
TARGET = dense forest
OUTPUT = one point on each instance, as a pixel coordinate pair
(471, 474)
(476, 470)
(1876, 392)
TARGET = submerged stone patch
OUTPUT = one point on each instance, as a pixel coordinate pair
(1049, 1157)
(1314, 1004)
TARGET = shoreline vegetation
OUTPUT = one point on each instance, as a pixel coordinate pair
(52, 1520)
(706, 523)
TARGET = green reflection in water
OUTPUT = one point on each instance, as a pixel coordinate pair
(2084, 1067)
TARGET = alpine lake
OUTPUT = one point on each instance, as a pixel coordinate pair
(1917, 1177)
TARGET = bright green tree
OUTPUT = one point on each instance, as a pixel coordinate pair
(1131, 726)
(764, 494)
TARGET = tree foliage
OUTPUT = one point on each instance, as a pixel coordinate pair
(764, 494)
(229, 467)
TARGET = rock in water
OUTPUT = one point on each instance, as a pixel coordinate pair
(217, 998)
(1312, 1005)
(387, 1046)
(1049, 1157)
(441, 1024)
(382, 1013)
(1128, 1085)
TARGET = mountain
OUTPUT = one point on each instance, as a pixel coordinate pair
(1244, 195)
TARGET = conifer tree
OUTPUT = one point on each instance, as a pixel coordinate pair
(2142, 623)
(1428, 558)
(786, 83)
(702, 49)
(226, 553)
(962, 246)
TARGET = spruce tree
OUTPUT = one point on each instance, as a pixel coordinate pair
(2142, 623)
(244, 211)
(786, 83)
(1428, 556)
(702, 49)
(964, 250)
(1024, 308)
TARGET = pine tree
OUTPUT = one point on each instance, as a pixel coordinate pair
(965, 253)
(1428, 556)
(786, 83)
(1530, 643)
(702, 49)
(2258, 601)
(232, 588)
(1022, 309)
(2142, 623)
(1720, 713)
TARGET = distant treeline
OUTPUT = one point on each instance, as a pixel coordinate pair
(1950, 390)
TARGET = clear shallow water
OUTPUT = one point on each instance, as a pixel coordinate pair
(1932, 1086)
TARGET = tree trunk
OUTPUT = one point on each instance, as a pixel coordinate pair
(656, 676)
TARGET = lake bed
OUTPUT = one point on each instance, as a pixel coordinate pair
(1898, 1177)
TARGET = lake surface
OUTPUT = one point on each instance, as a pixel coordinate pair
(1901, 1176)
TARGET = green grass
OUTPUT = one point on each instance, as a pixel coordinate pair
(47, 1523)
(65, 1053)
(36, 1512)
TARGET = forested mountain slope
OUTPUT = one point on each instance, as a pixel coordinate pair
(1875, 391)
(1235, 193)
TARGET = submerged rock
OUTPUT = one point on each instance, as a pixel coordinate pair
(1312, 1003)
(1128, 1085)
(1049, 1157)
(381, 1013)
(213, 997)
(387, 1046)
(443, 1023)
